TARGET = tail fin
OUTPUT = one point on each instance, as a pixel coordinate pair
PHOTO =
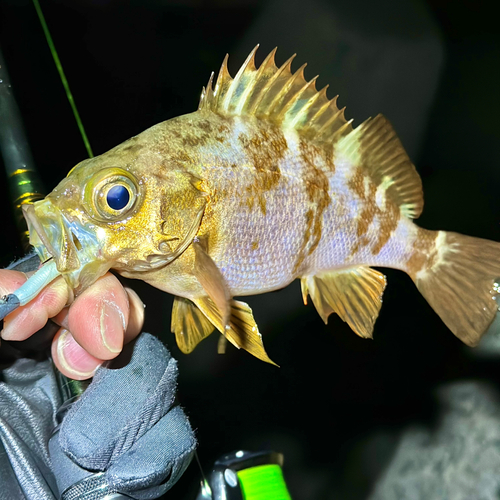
(460, 282)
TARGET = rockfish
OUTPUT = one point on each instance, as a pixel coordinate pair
(265, 183)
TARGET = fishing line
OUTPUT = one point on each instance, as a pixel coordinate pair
(65, 83)
(204, 483)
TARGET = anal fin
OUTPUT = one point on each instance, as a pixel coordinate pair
(354, 294)
(241, 330)
(189, 324)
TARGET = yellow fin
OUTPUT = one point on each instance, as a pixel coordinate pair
(375, 147)
(241, 331)
(354, 294)
(189, 325)
(278, 95)
(211, 279)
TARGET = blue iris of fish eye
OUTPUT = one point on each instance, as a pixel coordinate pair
(118, 197)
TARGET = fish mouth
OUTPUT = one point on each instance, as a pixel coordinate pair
(51, 236)
(74, 248)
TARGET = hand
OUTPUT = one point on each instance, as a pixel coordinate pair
(94, 327)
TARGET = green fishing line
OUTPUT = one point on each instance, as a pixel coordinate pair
(63, 77)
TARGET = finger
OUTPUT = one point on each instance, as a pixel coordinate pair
(99, 317)
(71, 359)
(27, 320)
(10, 281)
(61, 319)
(136, 316)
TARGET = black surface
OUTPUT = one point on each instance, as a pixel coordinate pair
(133, 64)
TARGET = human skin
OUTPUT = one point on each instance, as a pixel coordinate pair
(94, 327)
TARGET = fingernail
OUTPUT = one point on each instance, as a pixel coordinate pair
(74, 358)
(6, 334)
(112, 326)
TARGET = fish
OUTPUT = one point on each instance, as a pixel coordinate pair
(266, 182)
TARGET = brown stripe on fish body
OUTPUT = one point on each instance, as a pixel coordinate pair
(317, 186)
(265, 146)
(204, 129)
(308, 231)
(388, 222)
(424, 251)
(377, 208)
(361, 186)
(188, 134)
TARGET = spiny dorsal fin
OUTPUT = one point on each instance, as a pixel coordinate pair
(354, 294)
(375, 147)
(278, 95)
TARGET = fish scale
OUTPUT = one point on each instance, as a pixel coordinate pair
(278, 231)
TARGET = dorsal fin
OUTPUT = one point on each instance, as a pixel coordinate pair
(278, 95)
(375, 147)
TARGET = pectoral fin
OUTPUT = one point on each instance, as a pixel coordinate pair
(354, 294)
(189, 324)
(211, 279)
(241, 330)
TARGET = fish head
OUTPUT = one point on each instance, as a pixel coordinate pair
(129, 209)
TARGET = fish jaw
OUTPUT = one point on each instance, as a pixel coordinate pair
(74, 245)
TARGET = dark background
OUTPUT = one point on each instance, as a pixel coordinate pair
(337, 403)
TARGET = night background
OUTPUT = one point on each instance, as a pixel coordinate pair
(338, 404)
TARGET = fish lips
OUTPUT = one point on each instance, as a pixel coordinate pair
(51, 235)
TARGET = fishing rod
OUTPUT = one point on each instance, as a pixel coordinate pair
(25, 187)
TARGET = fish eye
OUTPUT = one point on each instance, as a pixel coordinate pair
(118, 197)
(115, 197)
(111, 194)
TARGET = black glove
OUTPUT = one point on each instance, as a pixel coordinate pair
(125, 434)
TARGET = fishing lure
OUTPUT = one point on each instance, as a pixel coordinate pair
(265, 183)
